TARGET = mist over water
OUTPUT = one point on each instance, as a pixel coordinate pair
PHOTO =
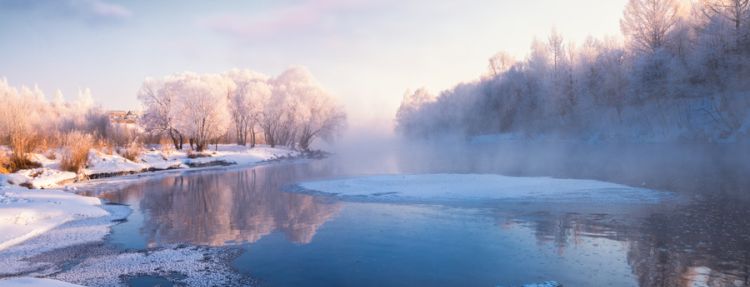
(688, 168)
(699, 237)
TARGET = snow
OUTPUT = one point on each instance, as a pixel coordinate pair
(80, 229)
(26, 213)
(468, 187)
(101, 163)
(544, 284)
(241, 155)
(104, 165)
(155, 160)
(41, 177)
(34, 282)
(195, 266)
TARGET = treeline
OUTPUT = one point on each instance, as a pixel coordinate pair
(29, 122)
(187, 108)
(682, 73)
(291, 109)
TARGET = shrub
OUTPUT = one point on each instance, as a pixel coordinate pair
(50, 154)
(166, 147)
(194, 154)
(132, 152)
(4, 162)
(22, 143)
(104, 146)
(76, 151)
(18, 162)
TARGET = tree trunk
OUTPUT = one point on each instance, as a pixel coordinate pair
(174, 139)
(252, 137)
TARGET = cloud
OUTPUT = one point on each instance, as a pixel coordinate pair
(302, 16)
(90, 11)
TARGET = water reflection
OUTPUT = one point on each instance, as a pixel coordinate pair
(225, 208)
(703, 241)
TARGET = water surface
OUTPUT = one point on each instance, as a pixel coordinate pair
(294, 239)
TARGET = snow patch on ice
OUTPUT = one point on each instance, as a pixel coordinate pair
(471, 187)
(34, 282)
(197, 266)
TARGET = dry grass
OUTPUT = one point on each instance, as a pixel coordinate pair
(76, 151)
(166, 147)
(132, 152)
(104, 146)
(4, 162)
(18, 162)
(50, 154)
(22, 145)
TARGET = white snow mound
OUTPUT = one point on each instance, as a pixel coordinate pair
(26, 213)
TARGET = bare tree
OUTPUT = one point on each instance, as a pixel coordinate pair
(555, 42)
(158, 101)
(500, 63)
(735, 11)
(646, 23)
(246, 103)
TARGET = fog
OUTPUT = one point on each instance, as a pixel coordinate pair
(689, 168)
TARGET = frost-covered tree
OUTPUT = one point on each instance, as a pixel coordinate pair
(30, 123)
(300, 110)
(646, 23)
(291, 109)
(247, 102)
(500, 63)
(737, 12)
(158, 97)
(679, 76)
(201, 109)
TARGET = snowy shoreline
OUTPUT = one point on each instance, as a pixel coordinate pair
(103, 165)
(37, 221)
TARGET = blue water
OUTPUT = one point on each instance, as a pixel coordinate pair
(295, 239)
(401, 245)
(291, 239)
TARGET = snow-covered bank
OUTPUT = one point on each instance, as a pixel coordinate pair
(41, 177)
(474, 187)
(102, 164)
(34, 282)
(38, 221)
(26, 213)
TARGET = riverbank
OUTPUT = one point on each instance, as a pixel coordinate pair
(41, 212)
(102, 164)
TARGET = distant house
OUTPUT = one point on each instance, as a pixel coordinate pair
(123, 117)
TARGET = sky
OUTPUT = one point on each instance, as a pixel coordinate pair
(366, 53)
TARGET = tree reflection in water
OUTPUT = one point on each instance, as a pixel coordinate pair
(226, 208)
(704, 242)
